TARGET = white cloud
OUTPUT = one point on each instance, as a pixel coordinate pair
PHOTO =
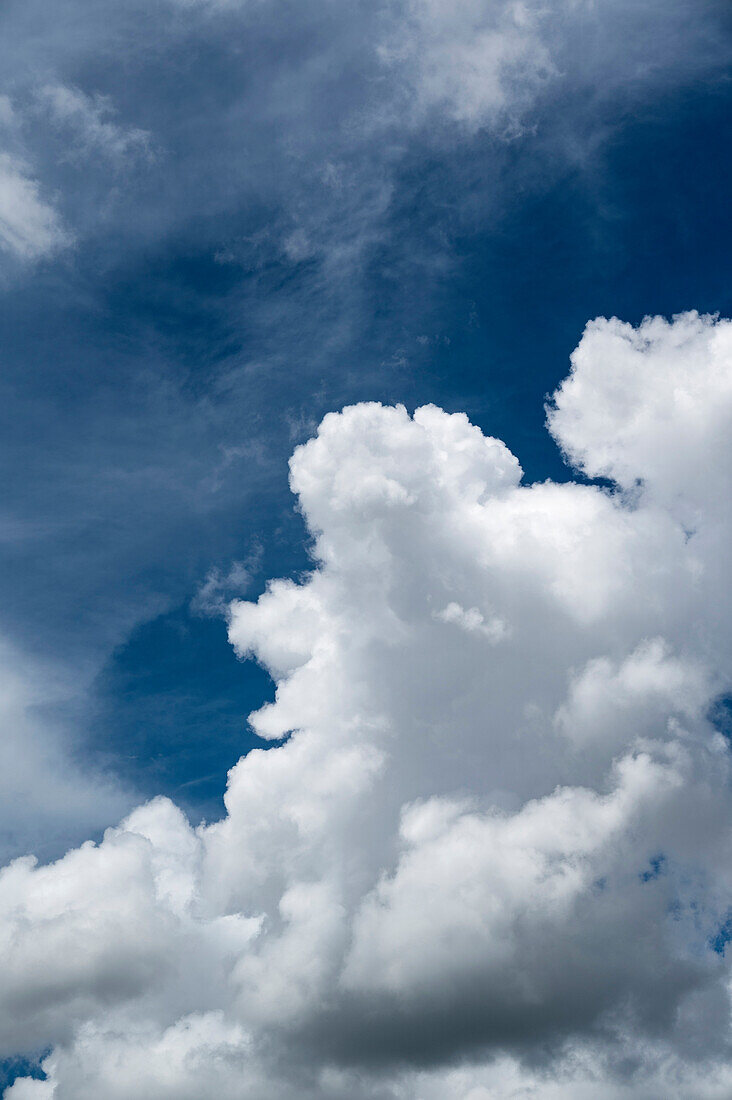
(473, 620)
(650, 685)
(30, 227)
(650, 418)
(514, 856)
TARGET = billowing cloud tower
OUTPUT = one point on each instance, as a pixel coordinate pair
(490, 852)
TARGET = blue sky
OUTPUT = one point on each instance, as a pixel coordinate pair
(221, 220)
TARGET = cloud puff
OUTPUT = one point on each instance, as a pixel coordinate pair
(473, 620)
(649, 419)
(507, 853)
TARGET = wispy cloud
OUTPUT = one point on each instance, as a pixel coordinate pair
(89, 121)
(222, 586)
(30, 226)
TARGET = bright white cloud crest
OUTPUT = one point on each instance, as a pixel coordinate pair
(505, 845)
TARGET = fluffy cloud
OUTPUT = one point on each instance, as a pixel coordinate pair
(496, 828)
(636, 408)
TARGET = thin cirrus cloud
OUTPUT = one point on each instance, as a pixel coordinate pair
(475, 63)
(48, 796)
(90, 122)
(472, 866)
(346, 92)
(30, 226)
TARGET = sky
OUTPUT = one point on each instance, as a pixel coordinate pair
(365, 390)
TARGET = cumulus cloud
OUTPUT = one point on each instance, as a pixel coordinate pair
(475, 862)
(649, 419)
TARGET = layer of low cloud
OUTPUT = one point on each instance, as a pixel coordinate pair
(474, 862)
